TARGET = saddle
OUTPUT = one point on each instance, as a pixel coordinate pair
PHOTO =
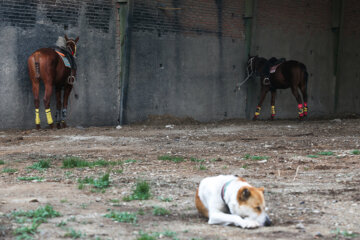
(274, 63)
(69, 62)
(66, 56)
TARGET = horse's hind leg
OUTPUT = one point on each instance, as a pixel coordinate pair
(295, 92)
(273, 96)
(305, 98)
(67, 92)
(48, 92)
(35, 88)
(58, 106)
(264, 91)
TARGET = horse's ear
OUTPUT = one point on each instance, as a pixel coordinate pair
(77, 39)
(66, 38)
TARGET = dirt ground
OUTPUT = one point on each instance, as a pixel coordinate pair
(310, 171)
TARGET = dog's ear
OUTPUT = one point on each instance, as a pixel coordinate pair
(245, 194)
(261, 189)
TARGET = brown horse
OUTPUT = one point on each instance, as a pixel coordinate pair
(276, 74)
(47, 65)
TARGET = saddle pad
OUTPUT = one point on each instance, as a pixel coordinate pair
(273, 68)
(64, 59)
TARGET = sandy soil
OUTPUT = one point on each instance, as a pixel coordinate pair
(307, 197)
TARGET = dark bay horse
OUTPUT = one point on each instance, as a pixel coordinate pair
(47, 65)
(275, 74)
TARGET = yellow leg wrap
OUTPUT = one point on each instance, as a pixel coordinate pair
(48, 116)
(37, 117)
(257, 112)
(273, 110)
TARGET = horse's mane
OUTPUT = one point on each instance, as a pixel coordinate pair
(61, 42)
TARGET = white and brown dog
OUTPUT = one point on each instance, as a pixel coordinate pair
(230, 200)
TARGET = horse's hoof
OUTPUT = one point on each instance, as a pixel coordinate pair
(58, 125)
(38, 127)
(64, 125)
(254, 118)
(272, 118)
(51, 126)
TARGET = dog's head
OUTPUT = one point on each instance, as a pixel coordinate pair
(249, 203)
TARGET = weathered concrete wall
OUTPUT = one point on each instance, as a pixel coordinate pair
(28, 25)
(186, 58)
(349, 61)
(299, 31)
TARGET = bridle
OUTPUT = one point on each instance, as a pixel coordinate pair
(68, 46)
(249, 73)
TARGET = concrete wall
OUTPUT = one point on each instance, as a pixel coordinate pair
(186, 58)
(28, 25)
(297, 30)
(348, 101)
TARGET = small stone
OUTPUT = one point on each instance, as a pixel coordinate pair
(3, 202)
(34, 200)
(318, 235)
(302, 202)
(101, 225)
(98, 199)
(299, 226)
(68, 181)
(118, 127)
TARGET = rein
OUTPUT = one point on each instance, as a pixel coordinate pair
(249, 75)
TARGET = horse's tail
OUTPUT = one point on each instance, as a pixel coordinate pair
(37, 65)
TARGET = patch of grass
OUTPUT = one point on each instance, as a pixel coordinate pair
(146, 236)
(312, 156)
(141, 192)
(355, 152)
(175, 159)
(100, 183)
(36, 217)
(197, 160)
(159, 211)
(170, 234)
(344, 233)
(25, 232)
(245, 166)
(114, 200)
(326, 153)
(130, 161)
(255, 158)
(2, 162)
(30, 178)
(73, 234)
(63, 201)
(122, 216)
(61, 224)
(165, 199)
(9, 170)
(40, 165)
(119, 171)
(74, 162)
(202, 167)
(141, 212)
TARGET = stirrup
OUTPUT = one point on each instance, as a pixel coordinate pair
(71, 80)
(266, 81)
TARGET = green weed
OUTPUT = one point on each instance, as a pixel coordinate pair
(25, 232)
(165, 199)
(100, 183)
(344, 233)
(2, 162)
(355, 152)
(40, 165)
(255, 158)
(73, 234)
(326, 153)
(197, 160)
(9, 170)
(146, 236)
(175, 159)
(141, 192)
(130, 161)
(75, 162)
(30, 178)
(122, 216)
(312, 156)
(244, 166)
(202, 167)
(159, 211)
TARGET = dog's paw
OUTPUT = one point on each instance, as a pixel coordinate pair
(249, 224)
